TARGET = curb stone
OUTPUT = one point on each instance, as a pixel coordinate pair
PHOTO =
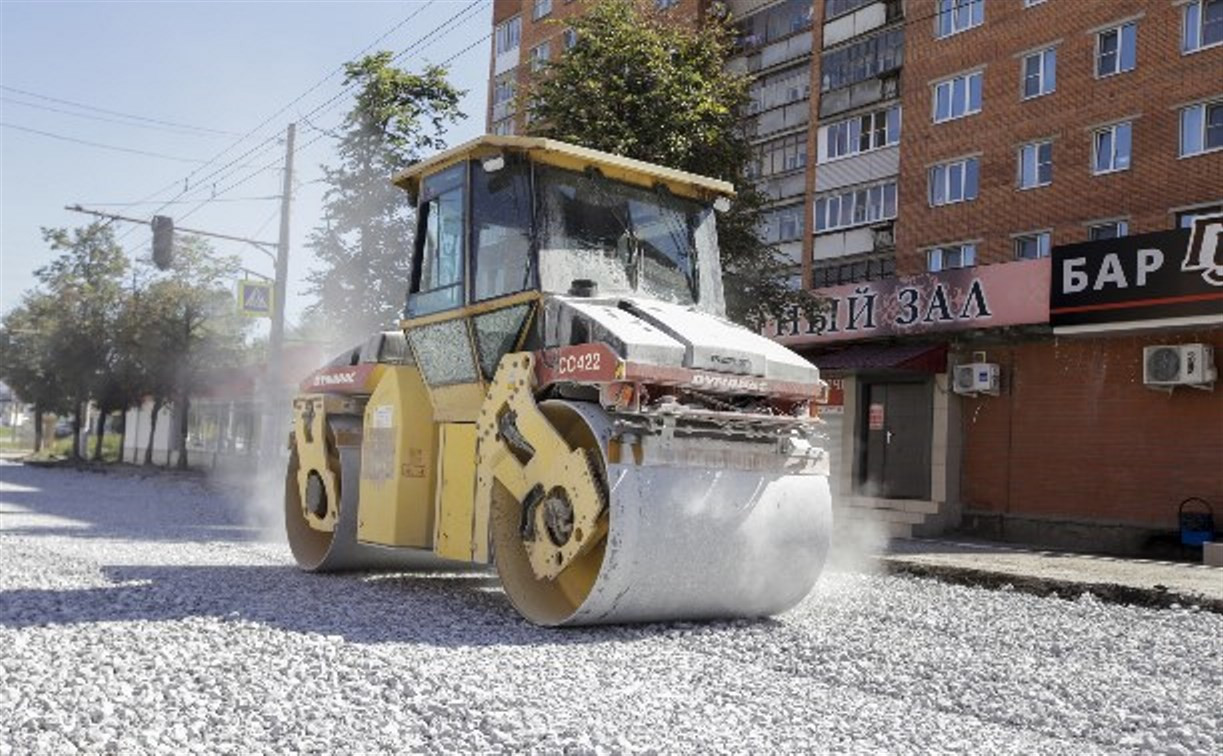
(1156, 596)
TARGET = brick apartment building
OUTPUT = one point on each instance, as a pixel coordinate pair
(926, 159)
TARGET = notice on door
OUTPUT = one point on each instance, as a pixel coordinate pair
(875, 417)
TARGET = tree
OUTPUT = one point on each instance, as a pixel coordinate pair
(26, 358)
(640, 86)
(181, 328)
(85, 287)
(366, 235)
(146, 345)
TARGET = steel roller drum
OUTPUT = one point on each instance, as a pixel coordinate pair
(683, 543)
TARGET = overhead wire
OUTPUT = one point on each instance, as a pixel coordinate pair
(100, 145)
(269, 119)
(146, 119)
(420, 45)
(426, 41)
(267, 222)
(180, 202)
(105, 119)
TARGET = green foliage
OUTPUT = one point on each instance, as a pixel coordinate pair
(91, 333)
(86, 283)
(26, 353)
(181, 323)
(84, 294)
(640, 85)
(181, 326)
(365, 240)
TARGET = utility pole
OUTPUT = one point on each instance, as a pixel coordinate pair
(276, 407)
(276, 338)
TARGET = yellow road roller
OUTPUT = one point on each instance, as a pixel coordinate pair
(565, 399)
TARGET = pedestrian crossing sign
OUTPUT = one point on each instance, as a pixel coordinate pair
(255, 299)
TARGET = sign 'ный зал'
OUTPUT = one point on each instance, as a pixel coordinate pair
(990, 296)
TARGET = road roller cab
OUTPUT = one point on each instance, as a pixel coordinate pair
(565, 399)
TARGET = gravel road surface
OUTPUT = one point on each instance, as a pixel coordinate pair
(145, 615)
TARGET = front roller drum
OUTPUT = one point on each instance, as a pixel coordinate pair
(675, 542)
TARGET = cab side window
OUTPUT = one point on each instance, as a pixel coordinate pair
(438, 273)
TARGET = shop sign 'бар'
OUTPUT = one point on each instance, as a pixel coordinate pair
(1166, 275)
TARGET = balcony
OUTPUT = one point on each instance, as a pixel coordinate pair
(834, 246)
(778, 119)
(862, 168)
(863, 268)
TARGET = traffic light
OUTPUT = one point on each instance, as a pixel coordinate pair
(163, 241)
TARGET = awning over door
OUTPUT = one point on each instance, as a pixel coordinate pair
(922, 358)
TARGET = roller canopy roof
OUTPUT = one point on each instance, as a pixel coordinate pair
(571, 157)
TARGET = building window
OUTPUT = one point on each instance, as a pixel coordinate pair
(859, 61)
(504, 127)
(834, 8)
(778, 89)
(505, 90)
(868, 204)
(540, 54)
(505, 87)
(955, 16)
(541, 9)
(1040, 73)
(1032, 3)
(1203, 25)
(1035, 165)
(1185, 218)
(782, 225)
(1201, 128)
(1117, 50)
(958, 97)
(1113, 229)
(508, 35)
(951, 256)
(954, 182)
(773, 23)
(852, 269)
(862, 133)
(1032, 246)
(570, 37)
(1111, 148)
(779, 156)
(665, 4)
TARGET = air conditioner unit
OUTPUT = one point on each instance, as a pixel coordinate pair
(883, 237)
(1169, 365)
(891, 86)
(975, 378)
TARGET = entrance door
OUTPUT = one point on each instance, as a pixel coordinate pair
(897, 423)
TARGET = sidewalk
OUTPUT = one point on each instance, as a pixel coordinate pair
(1115, 579)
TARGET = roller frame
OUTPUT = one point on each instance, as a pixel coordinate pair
(552, 466)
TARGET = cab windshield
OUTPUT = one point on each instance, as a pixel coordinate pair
(626, 239)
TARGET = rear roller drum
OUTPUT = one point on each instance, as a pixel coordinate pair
(321, 521)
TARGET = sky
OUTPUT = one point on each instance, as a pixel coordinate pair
(207, 81)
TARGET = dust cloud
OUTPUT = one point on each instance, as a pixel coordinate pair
(857, 540)
(255, 496)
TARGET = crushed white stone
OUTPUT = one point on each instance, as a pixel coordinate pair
(140, 615)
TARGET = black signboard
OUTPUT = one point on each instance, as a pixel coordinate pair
(1167, 274)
